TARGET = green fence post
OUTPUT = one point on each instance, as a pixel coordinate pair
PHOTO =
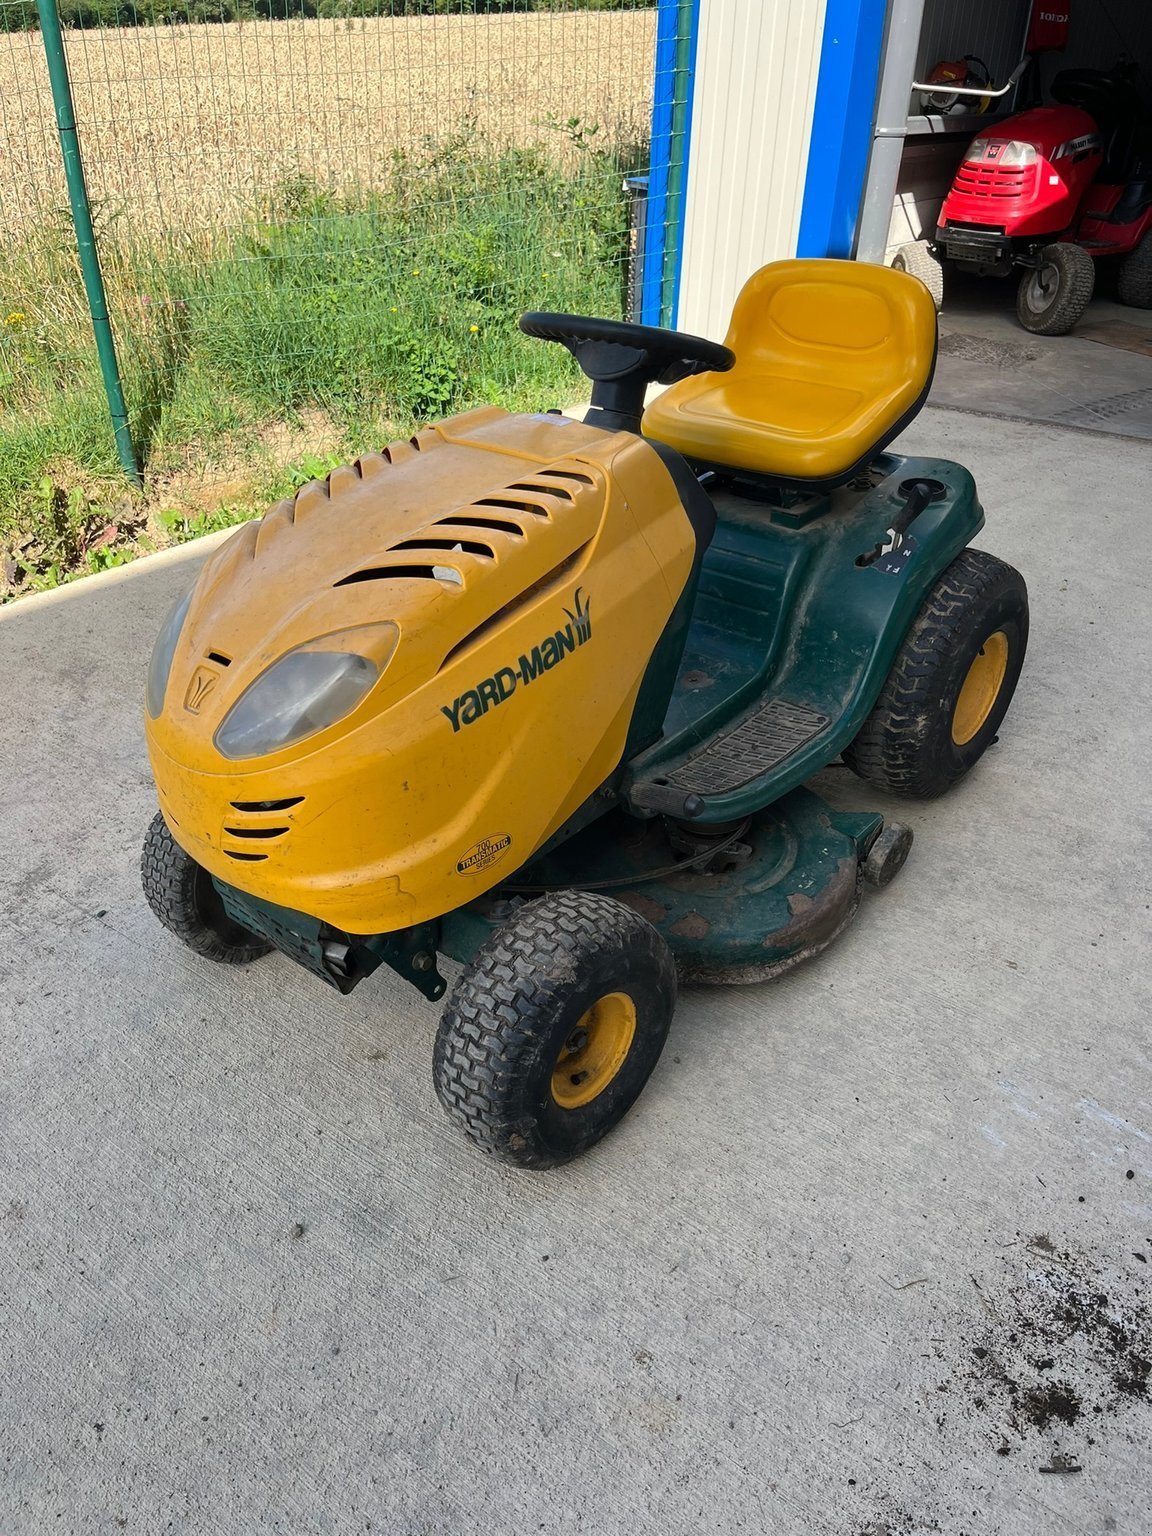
(85, 236)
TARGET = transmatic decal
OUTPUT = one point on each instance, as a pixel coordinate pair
(483, 853)
(503, 683)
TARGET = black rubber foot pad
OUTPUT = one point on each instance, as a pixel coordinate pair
(756, 745)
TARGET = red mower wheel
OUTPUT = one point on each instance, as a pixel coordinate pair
(1135, 283)
(1054, 294)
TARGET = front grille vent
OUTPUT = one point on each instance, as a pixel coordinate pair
(267, 805)
(994, 180)
(253, 822)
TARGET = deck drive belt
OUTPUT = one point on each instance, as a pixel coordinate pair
(752, 748)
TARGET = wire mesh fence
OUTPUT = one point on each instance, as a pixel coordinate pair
(330, 220)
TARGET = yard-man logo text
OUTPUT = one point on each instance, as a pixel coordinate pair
(503, 683)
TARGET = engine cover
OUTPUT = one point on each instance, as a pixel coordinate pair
(524, 568)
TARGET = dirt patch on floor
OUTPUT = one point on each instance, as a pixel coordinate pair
(987, 350)
(1060, 1350)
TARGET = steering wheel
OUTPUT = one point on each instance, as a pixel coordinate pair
(623, 359)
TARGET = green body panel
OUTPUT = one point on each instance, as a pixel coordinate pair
(796, 890)
(783, 612)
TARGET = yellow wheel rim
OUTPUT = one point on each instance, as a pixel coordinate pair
(595, 1051)
(981, 688)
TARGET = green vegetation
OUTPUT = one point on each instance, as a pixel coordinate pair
(373, 310)
(20, 15)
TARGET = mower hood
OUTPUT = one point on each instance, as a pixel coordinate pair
(416, 670)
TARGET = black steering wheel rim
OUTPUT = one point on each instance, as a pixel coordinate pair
(661, 355)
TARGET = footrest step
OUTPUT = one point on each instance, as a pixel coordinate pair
(751, 748)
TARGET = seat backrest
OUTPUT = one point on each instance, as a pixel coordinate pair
(833, 359)
(844, 323)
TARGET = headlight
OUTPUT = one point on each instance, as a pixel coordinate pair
(302, 693)
(162, 654)
(1017, 154)
(1013, 155)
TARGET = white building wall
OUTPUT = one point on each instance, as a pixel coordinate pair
(757, 63)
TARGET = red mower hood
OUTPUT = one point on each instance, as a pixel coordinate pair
(1028, 175)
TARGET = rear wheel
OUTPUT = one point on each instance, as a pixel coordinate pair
(1135, 282)
(917, 259)
(182, 896)
(1054, 294)
(554, 1027)
(951, 682)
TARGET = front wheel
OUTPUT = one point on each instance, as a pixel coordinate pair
(554, 1027)
(182, 895)
(1054, 294)
(917, 259)
(951, 682)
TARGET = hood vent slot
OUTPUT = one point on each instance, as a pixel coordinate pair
(565, 474)
(246, 858)
(547, 490)
(464, 545)
(498, 524)
(219, 658)
(440, 573)
(256, 831)
(513, 506)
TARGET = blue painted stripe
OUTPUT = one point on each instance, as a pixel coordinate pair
(841, 127)
(673, 318)
(656, 211)
(671, 123)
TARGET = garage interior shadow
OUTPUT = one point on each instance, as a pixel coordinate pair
(1098, 378)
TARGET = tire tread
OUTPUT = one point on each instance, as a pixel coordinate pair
(1134, 286)
(491, 1019)
(1077, 284)
(889, 750)
(169, 877)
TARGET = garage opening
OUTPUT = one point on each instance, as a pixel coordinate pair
(1034, 231)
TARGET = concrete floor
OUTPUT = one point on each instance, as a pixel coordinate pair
(870, 1256)
(989, 364)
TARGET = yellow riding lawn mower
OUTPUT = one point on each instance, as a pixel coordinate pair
(542, 695)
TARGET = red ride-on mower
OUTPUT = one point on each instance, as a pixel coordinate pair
(1049, 190)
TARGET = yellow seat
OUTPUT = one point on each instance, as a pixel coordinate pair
(833, 358)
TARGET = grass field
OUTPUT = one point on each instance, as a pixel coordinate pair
(315, 235)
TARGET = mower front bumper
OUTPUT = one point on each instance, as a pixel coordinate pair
(338, 958)
(975, 246)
